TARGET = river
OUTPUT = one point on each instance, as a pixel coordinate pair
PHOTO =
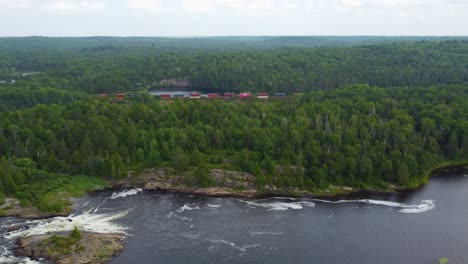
(418, 227)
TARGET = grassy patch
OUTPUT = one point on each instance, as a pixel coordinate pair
(57, 246)
(58, 199)
(443, 261)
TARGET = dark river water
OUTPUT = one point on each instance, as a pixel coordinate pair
(418, 227)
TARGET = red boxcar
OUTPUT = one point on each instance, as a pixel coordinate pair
(120, 96)
(195, 96)
(262, 96)
(245, 95)
(228, 95)
(213, 95)
(165, 96)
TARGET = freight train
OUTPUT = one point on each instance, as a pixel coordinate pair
(210, 96)
(227, 96)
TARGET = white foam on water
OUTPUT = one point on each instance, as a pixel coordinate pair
(243, 249)
(191, 236)
(426, 205)
(280, 206)
(284, 198)
(188, 219)
(186, 207)
(90, 222)
(99, 206)
(214, 205)
(7, 257)
(265, 233)
(125, 193)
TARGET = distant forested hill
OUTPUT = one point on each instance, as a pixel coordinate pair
(90, 66)
(203, 43)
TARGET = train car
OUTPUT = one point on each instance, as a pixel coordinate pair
(179, 96)
(245, 95)
(229, 95)
(262, 96)
(165, 96)
(195, 96)
(120, 96)
(280, 94)
(213, 96)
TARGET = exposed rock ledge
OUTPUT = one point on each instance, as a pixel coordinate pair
(242, 184)
(92, 248)
(12, 207)
(227, 184)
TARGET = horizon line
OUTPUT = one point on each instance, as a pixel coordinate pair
(224, 36)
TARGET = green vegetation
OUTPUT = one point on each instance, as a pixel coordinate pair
(53, 125)
(356, 135)
(121, 69)
(29, 97)
(444, 261)
(203, 177)
(50, 192)
(57, 246)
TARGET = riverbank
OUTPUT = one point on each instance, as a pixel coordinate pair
(12, 208)
(227, 184)
(235, 184)
(242, 185)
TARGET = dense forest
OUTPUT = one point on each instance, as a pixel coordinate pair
(356, 135)
(369, 116)
(188, 44)
(108, 69)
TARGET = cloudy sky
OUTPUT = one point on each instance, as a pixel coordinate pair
(232, 17)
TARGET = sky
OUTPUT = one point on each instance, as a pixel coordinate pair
(232, 17)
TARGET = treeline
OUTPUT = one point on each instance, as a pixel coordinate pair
(278, 70)
(20, 178)
(356, 135)
(155, 44)
(21, 97)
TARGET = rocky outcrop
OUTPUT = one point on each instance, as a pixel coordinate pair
(12, 207)
(228, 183)
(91, 248)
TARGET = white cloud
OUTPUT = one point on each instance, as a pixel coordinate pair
(238, 17)
(16, 4)
(62, 6)
(73, 6)
(148, 5)
(252, 6)
(352, 3)
(198, 6)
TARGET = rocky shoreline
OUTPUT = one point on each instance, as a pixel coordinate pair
(231, 184)
(13, 208)
(228, 184)
(242, 185)
(100, 248)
